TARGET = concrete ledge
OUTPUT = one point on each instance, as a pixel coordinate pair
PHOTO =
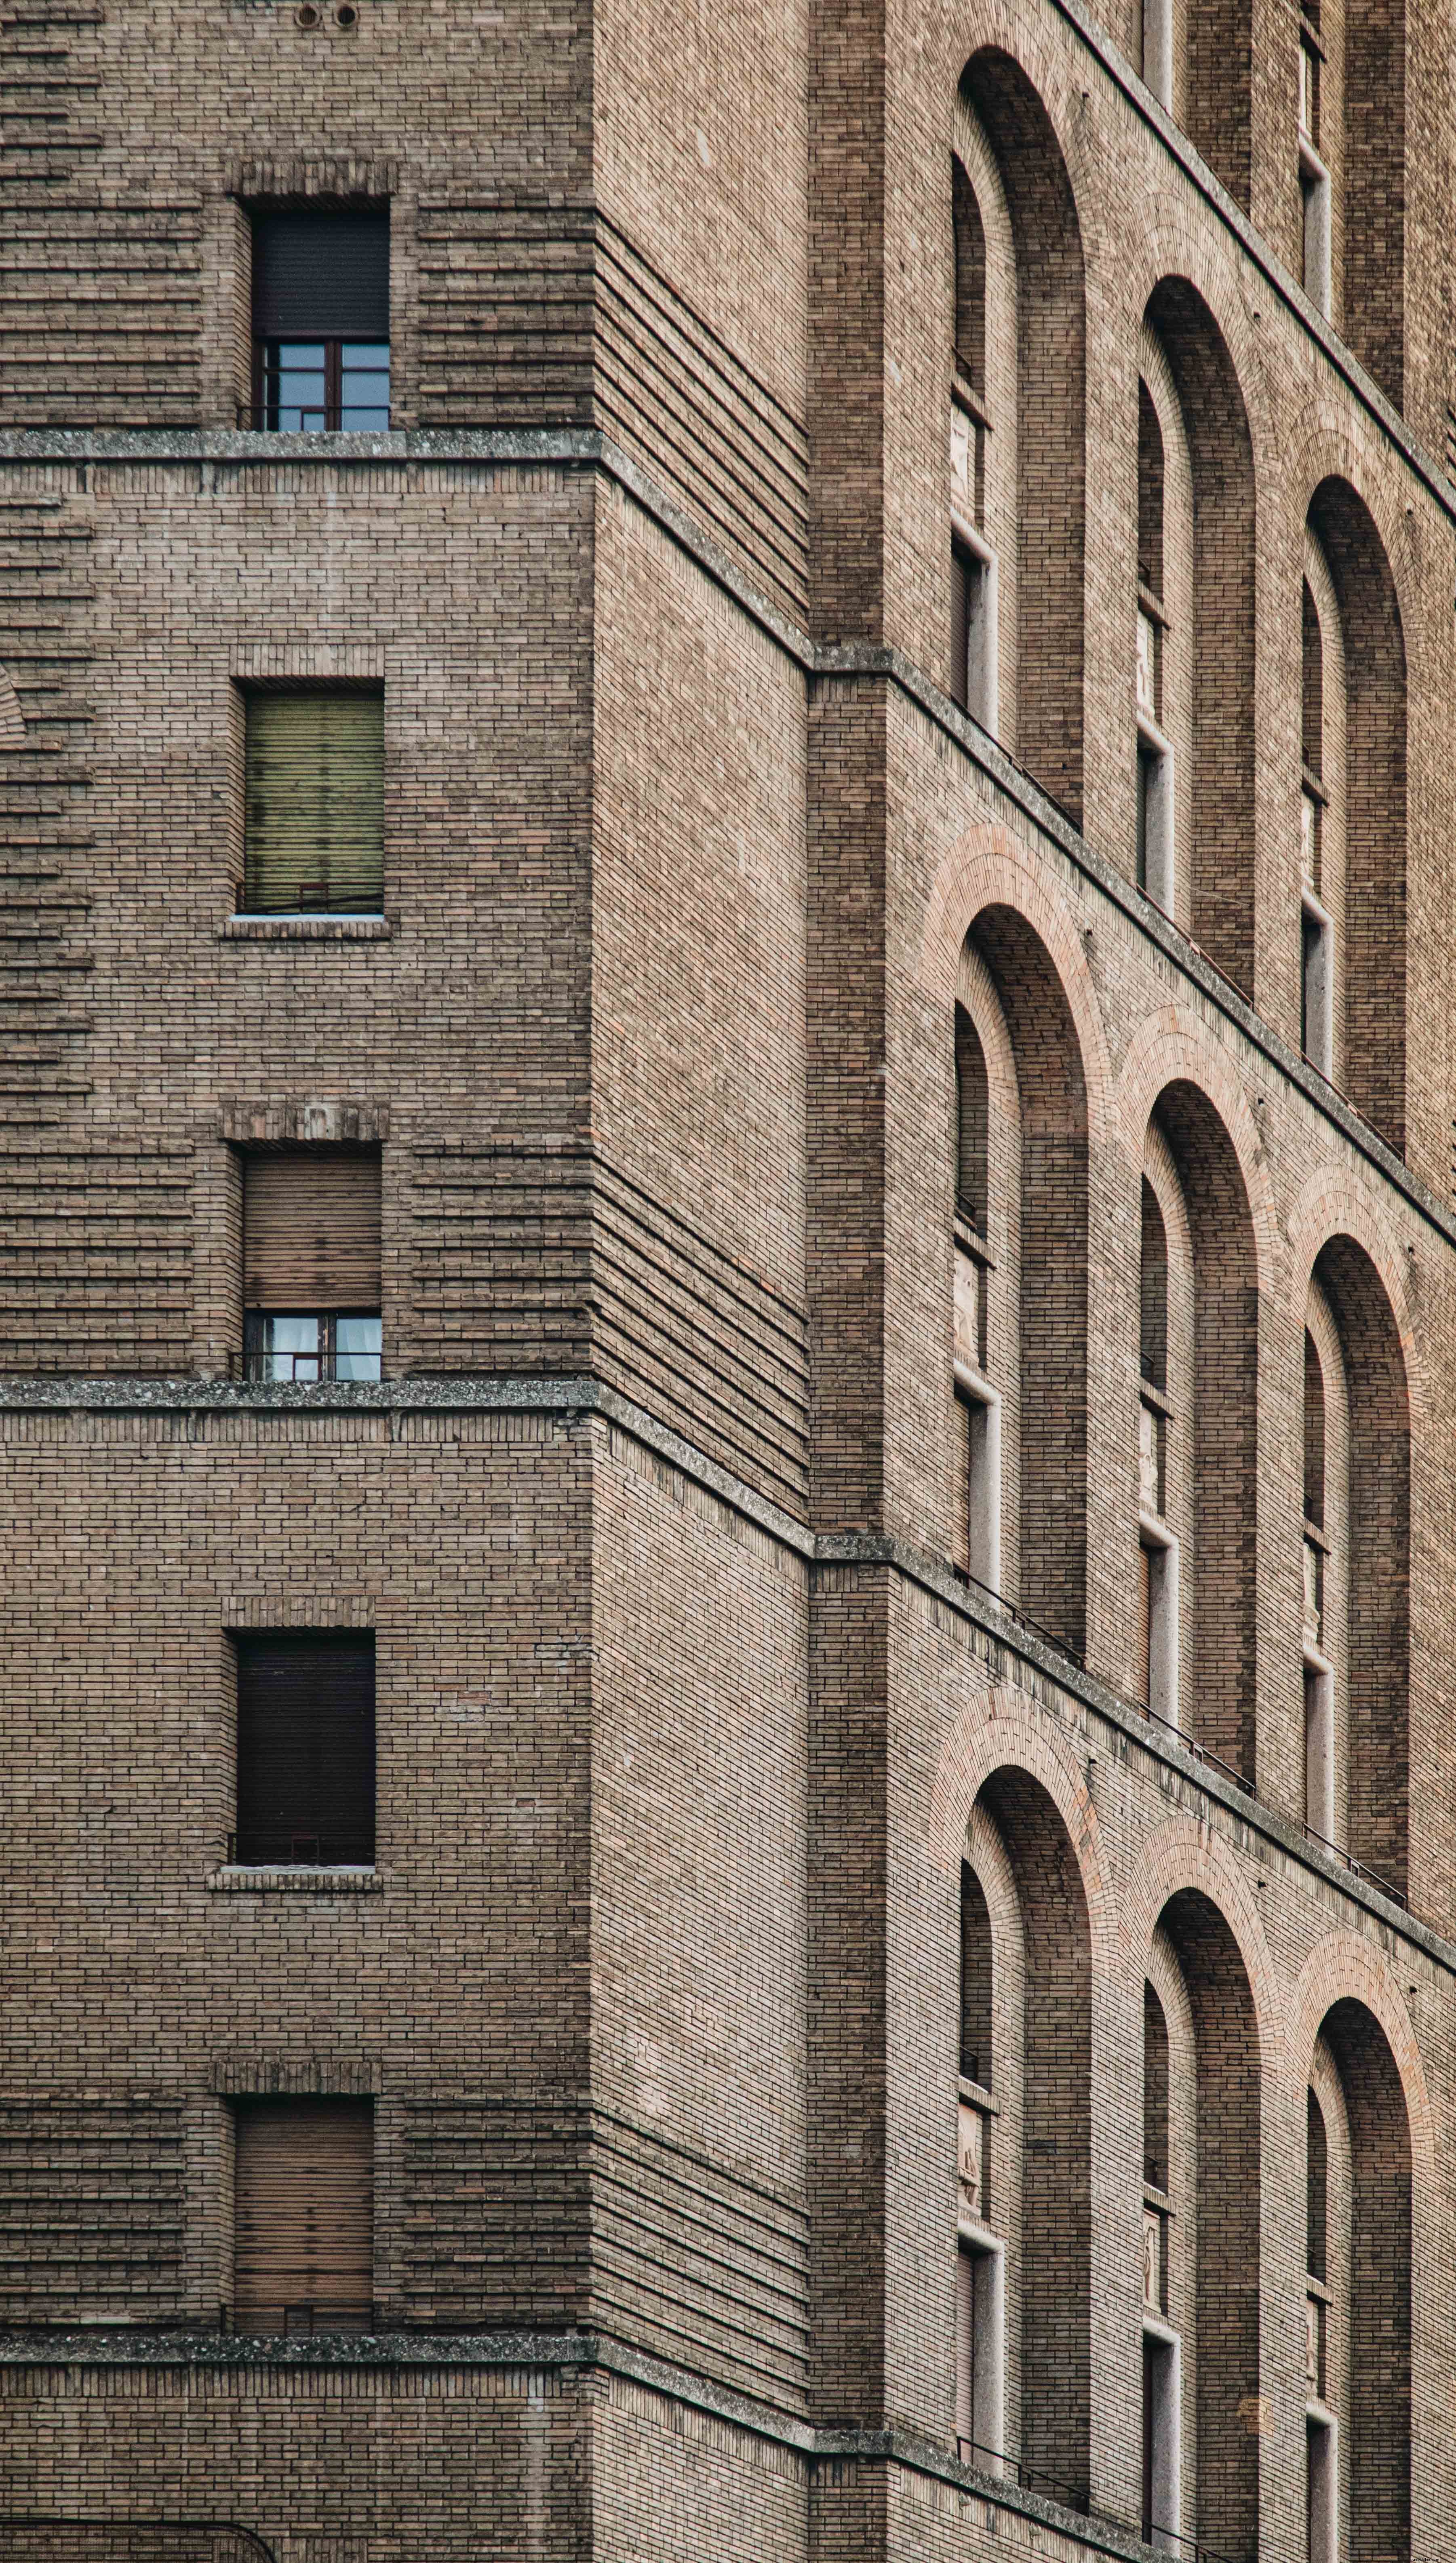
(566, 2355)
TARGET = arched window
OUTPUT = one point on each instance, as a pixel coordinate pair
(1200, 2312)
(978, 1346)
(1358, 2293)
(1040, 633)
(974, 582)
(1197, 639)
(1200, 1438)
(1158, 1545)
(972, 1124)
(1323, 1639)
(1353, 811)
(1023, 2330)
(1155, 819)
(1356, 1551)
(1317, 2185)
(1154, 2092)
(1163, 2287)
(1018, 1341)
(1322, 833)
(975, 1980)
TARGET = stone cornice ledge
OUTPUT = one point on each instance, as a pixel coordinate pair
(860, 662)
(567, 2354)
(868, 1551)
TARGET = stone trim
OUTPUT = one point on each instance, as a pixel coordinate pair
(564, 2356)
(840, 1553)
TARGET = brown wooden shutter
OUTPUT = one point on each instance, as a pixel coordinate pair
(304, 2215)
(311, 1229)
(305, 1747)
(961, 576)
(314, 817)
(322, 275)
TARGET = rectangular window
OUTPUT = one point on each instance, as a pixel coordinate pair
(306, 1749)
(313, 802)
(973, 634)
(1154, 815)
(1319, 1750)
(979, 2354)
(310, 1263)
(320, 319)
(1317, 984)
(1157, 1633)
(1161, 2431)
(1323, 2477)
(303, 2216)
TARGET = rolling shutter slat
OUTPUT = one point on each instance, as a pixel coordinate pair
(320, 275)
(315, 802)
(311, 1230)
(303, 2209)
(305, 1747)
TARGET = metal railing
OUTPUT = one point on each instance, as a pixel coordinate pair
(1023, 1619)
(1201, 1752)
(1358, 1869)
(1014, 2469)
(45, 2537)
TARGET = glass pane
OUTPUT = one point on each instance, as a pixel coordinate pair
(290, 1347)
(363, 386)
(356, 1347)
(293, 386)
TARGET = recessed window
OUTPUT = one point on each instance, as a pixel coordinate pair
(313, 805)
(311, 1264)
(981, 2354)
(303, 2216)
(321, 320)
(305, 1749)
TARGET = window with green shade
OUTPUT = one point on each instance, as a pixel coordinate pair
(313, 779)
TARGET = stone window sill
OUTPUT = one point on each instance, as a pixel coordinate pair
(305, 929)
(237, 1880)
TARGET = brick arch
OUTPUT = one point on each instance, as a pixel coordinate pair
(1051, 405)
(1173, 1047)
(1167, 246)
(991, 867)
(12, 718)
(1336, 1203)
(1345, 1967)
(993, 1729)
(1186, 1856)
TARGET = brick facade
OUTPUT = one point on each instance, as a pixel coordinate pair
(690, 1707)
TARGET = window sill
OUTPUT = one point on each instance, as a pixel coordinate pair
(238, 1881)
(305, 929)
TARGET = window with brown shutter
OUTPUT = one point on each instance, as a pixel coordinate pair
(313, 802)
(321, 319)
(310, 1263)
(305, 1749)
(303, 2216)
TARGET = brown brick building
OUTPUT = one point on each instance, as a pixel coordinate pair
(729, 1261)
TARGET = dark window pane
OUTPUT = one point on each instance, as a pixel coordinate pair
(321, 273)
(305, 1749)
